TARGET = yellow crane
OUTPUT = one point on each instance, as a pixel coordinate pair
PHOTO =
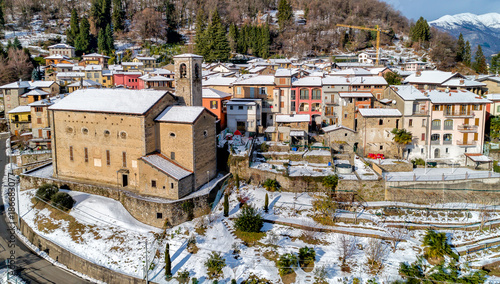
(376, 29)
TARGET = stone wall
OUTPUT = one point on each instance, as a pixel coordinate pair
(75, 262)
(397, 166)
(144, 208)
(24, 159)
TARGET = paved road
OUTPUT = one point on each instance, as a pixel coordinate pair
(29, 266)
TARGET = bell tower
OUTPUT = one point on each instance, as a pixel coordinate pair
(188, 79)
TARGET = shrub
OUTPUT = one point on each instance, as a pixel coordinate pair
(437, 244)
(330, 182)
(266, 203)
(249, 220)
(183, 277)
(46, 191)
(271, 185)
(237, 179)
(306, 256)
(286, 262)
(63, 201)
(252, 279)
(264, 147)
(65, 186)
(214, 265)
(226, 205)
(418, 162)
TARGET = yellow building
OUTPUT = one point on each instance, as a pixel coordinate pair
(147, 61)
(20, 120)
(107, 79)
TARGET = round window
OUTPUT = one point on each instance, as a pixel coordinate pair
(123, 135)
(85, 131)
(69, 129)
(106, 133)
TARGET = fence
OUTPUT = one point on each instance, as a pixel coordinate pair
(439, 177)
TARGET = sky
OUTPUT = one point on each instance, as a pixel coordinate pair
(434, 9)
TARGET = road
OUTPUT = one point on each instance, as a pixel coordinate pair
(29, 266)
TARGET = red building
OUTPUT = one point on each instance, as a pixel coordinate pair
(306, 93)
(130, 80)
(214, 100)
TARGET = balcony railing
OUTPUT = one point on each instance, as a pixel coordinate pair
(447, 142)
(436, 127)
(19, 121)
(461, 113)
(467, 128)
(420, 112)
(466, 143)
(435, 142)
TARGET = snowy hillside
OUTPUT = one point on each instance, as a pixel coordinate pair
(481, 30)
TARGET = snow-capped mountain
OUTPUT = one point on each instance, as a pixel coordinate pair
(481, 30)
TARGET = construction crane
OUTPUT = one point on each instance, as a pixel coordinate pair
(376, 29)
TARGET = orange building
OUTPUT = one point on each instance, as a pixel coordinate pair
(214, 100)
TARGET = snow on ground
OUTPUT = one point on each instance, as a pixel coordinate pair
(5, 278)
(437, 174)
(364, 171)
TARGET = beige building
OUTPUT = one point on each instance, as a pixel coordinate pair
(62, 49)
(341, 139)
(375, 126)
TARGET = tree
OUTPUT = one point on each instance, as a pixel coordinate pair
(460, 48)
(149, 24)
(420, 32)
(397, 235)
(495, 128)
(2, 18)
(266, 203)
(233, 37)
(226, 205)
(46, 191)
(265, 41)
(35, 74)
(214, 265)
(393, 78)
(495, 64)
(217, 48)
(200, 44)
(285, 14)
(74, 30)
(331, 183)
(168, 263)
(375, 253)
(118, 16)
(101, 42)
(467, 54)
(15, 66)
(63, 201)
(306, 256)
(480, 65)
(271, 184)
(100, 14)
(110, 40)
(286, 263)
(16, 43)
(346, 248)
(249, 220)
(84, 40)
(437, 245)
(402, 137)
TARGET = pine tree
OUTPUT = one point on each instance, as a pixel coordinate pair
(467, 54)
(168, 9)
(233, 37)
(118, 17)
(226, 205)
(285, 14)
(16, 43)
(420, 32)
(216, 39)
(106, 14)
(101, 42)
(200, 44)
(480, 65)
(495, 64)
(266, 203)
(460, 48)
(110, 41)
(168, 263)
(83, 42)
(74, 30)
(35, 75)
(265, 41)
(2, 18)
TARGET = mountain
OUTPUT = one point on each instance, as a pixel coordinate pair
(481, 30)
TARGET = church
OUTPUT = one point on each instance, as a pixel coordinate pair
(145, 141)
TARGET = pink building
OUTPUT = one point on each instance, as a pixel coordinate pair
(306, 93)
(129, 80)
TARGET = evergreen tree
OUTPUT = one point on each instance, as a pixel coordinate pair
(84, 40)
(16, 43)
(216, 39)
(168, 9)
(285, 14)
(266, 203)
(73, 31)
(495, 64)
(420, 32)
(480, 65)
(467, 54)
(100, 13)
(2, 18)
(168, 263)
(460, 48)
(118, 17)
(233, 38)
(200, 44)
(35, 75)
(265, 42)
(110, 41)
(106, 14)
(226, 205)
(101, 42)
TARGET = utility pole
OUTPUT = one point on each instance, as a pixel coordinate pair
(147, 268)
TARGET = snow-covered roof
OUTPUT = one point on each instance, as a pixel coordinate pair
(292, 118)
(21, 109)
(300, 133)
(376, 71)
(93, 67)
(219, 81)
(36, 92)
(70, 74)
(335, 80)
(355, 94)
(432, 77)
(257, 80)
(135, 73)
(281, 72)
(241, 102)
(84, 83)
(61, 45)
(279, 61)
(58, 56)
(41, 84)
(214, 94)
(65, 65)
(163, 164)
(409, 93)
(371, 80)
(188, 55)
(463, 83)
(47, 102)
(335, 127)
(28, 84)
(149, 77)
(270, 129)
(308, 81)
(493, 97)
(379, 112)
(455, 97)
(180, 114)
(478, 158)
(353, 71)
(110, 100)
(95, 55)
(163, 72)
(132, 63)
(144, 58)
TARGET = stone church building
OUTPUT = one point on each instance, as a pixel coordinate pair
(150, 142)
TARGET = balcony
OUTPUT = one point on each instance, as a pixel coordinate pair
(461, 113)
(19, 121)
(435, 142)
(447, 142)
(467, 128)
(420, 112)
(466, 143)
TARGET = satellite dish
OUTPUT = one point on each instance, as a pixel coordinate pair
(393, 102)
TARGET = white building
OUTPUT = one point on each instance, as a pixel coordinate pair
(244, 114)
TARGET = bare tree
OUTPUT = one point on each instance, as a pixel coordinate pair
(16, 66)
(148, 24)
(346, 248)
(375, 251)
(397, 235)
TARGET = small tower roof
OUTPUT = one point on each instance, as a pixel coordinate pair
(188, 55)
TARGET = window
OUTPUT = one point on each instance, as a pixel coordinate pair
(106, 133)
(475, 107)
(304, 94)
(262, 91)
(213, 105)
(435, 137)
(172, 155)
(123, 135)
(435, 107)
(182, 70)
(475, 136)
(85, 131)
(197, 71)
(380, 122)
(316, 94)
(38, 109)
(205, 133)
(159, 215)
(86, 154)
(447, 138)
(124, 159)
(249, 107)
(282, 81)
(39, 120)
(446, 150)
(108, 158)
(293, 107)
(240, 107)
(171, 185)
(71, 153)
(153, 183)
(238, 90)
(231, 107)
(292, 97)
(476, 121)
(436, 124)
(424, 122)
(381, 147)
(410, 123)
(423, 136)
(172, 134)
(448, 124)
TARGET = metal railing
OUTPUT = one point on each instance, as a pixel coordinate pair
(458, 113)
(466, 143)
(436, 142)
(467, 128)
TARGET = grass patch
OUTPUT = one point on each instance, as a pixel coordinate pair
(324, 220)
(310, 238)
(200, 231)
(249, 238)
(271, 255)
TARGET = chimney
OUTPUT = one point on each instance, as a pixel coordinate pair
(462, 81)
(418, 74)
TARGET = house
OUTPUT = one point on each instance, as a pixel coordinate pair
(40, 124)
(13, 92)
(128, 80)
(257, 87)
(341, 139)
(291, 128)
(136, 140)
(65, 78)
(493, 109)
(62, 49)
(107, 79)
(93, 72)
(223, 84)
(282, 92)
(215, 101)
(94, 59)
(156, 82)
(132, 66)
(20, 120)
(374, 131)
(351, 103)
(492, 84)
(331, 86)
(53, 60)
(367, 57)
(307, 94)
(147, 61)
(431, 80)
(415, 66)
(244, 115)
(83, 84)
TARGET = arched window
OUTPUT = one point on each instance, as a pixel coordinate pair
(304, 94)
(448, 124)
(447, 138)
(316, 94)
(197, 71)
(182, 70)
(436, 124)
(435, 139)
